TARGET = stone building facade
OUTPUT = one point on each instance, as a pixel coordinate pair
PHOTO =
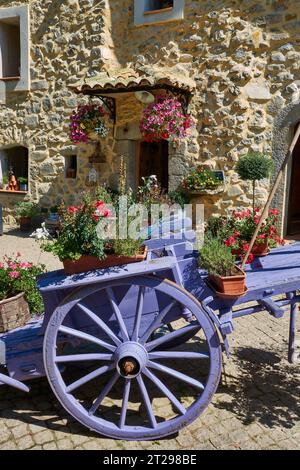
(240, 61)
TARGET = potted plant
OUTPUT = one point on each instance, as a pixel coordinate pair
(23, 183)
(78, 244)
(53, 213)
(236, 231)
(223, 274)
(25, 211)
(88, 123)
(201, 180)
(164, 119)
(18, 292)
(254, 167)
(4, 183)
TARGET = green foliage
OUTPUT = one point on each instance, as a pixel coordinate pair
(150, 192)
(201, 178)
(77, 235)
(127, 247)
(22, 180)
(16, 277)
(254, 167)
(26, 209)
(179, 197)
(216, 258)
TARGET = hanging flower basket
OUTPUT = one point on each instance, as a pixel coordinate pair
(88, 124)
(164, 120)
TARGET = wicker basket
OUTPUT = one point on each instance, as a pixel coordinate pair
(14, 313)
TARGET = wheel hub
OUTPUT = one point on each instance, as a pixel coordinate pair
(130, 358)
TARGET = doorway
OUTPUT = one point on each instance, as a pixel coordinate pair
(153, 159)
(293, 218)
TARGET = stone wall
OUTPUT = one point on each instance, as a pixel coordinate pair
(244, 56)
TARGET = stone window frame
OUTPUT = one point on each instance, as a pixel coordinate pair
(68, 152)
(16, 146)
(142, 16)
(22, 11)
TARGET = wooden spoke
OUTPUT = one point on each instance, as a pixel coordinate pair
(177, 355)
(104, 393)
(147, 401)
(157, 322)
(100, 323)
(84, 357)
(172, 336)
(138, 315)
(176, 374)
(113, 302)
(125, 403)
(85, 336)
(165, 390)
(96, 373)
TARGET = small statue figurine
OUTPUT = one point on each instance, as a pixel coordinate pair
(12, 183)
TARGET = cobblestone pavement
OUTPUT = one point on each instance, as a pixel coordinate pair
(257, 405)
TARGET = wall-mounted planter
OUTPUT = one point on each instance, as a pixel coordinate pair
(209, 192)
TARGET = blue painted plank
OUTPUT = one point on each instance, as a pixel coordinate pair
(59, 280)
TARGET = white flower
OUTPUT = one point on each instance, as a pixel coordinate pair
(41, 233)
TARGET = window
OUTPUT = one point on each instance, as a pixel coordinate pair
(14, 46)
(10, 63)
(157, 11)
(14, 169)
(71, 166)
(154, 5)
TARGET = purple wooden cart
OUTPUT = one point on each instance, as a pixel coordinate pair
(135, 352)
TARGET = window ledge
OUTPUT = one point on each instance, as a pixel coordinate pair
(7, 191)
(156, 12)
(10, 79)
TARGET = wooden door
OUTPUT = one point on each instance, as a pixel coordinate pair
(293, 223)
(153, 160)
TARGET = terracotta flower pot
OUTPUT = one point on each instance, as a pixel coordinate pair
(260, 249)
(90, 263)
(230, 285)
(25, 224)
(14, 313)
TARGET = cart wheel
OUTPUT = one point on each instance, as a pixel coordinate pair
(121, 381)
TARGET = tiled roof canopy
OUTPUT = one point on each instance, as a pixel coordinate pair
(125, 80)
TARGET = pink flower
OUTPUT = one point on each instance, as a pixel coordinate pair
(12, 265)
(72, 209)
(14, 274)
(274, 212)
(18, 254)
(1, 265)
(25, 265)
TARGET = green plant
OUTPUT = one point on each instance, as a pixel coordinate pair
(216, 258)
(254, 167)
(126, 247)
(77, 235)
(16, 277)
(54, 209)
(150, 192)
(22, 180)
(201, 178)
(26, 209)
(5, 179)
(179, 197)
